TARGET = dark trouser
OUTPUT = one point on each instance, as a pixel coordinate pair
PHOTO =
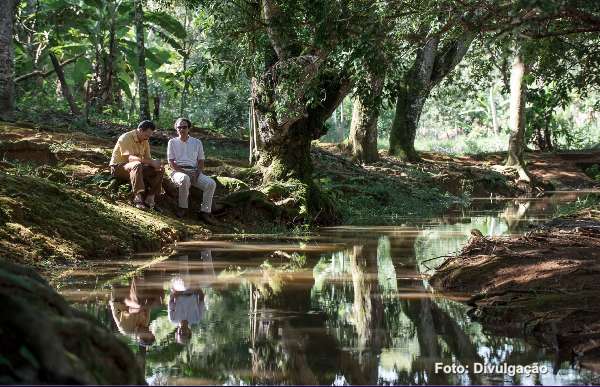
(140, 176)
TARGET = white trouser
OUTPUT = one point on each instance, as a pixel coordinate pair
(183, 180)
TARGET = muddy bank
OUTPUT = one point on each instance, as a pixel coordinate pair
(542, 285)
(59, 205)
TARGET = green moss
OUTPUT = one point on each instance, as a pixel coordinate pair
(231, 184)
(46, 220)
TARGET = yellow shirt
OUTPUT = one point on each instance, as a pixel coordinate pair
(129, 145)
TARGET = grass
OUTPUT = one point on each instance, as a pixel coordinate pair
(367, 198)
(229, 151)
(587, 207)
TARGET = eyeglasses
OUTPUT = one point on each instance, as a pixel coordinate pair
(182, 127)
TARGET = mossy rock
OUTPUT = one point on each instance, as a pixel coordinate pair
(230, 184)
(252, 206)
(43, 340)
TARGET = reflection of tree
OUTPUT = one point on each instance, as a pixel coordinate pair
(431, 323)
(376, 306)
(367, 307)
(513, 215)
(295, 349)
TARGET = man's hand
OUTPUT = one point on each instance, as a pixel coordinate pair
(197, 173)
(156, 164)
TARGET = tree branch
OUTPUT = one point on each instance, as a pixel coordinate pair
(450, 56)
(44, 74)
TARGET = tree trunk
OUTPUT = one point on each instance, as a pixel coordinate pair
(548, 137)
(63, 85)
(141, 53)
(365, 113)
(184, 91)
(284, 143)
(156, 112)
(516, 142)
(340, 123)
(493, 112)
(431, 66)
(109, 65)
(363, 130)
(409, 106)
(7, 67)
(411, 97)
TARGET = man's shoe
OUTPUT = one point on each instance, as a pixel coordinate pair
(180, 212)
(207, 218)
(140, 205)
(150, 201)
(138, 202)
(156, 209)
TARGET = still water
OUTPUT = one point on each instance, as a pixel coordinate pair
(347, 305)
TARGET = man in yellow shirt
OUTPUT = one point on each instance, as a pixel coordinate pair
(131, 161)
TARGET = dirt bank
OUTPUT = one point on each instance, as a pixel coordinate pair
(58, 204)
(542, 286)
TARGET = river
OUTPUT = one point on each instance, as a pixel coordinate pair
(346, 305)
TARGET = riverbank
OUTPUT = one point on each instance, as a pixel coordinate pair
(542, 285)
(59, 206)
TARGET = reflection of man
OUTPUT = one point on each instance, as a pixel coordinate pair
(186, 307)
(186, 301)
(131, 311)
(131, 161)
(186, 156)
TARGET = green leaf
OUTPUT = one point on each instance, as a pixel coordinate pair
(81, 69)
(124, 85)
(167, 23)
(94, 3)
(168, 39)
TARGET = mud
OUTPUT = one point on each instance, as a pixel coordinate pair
(542, 286)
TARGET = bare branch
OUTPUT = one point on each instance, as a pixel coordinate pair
(43, 74)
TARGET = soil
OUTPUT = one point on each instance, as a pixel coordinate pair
(542, 286)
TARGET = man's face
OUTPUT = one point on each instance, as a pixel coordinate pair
(183, 130)
(144, 135)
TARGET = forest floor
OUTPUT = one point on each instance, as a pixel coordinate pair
(59, 204)
(542, 285)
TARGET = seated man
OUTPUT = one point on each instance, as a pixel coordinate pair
(186, 157)
(131, 162)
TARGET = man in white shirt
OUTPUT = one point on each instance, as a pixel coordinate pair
(186, 158)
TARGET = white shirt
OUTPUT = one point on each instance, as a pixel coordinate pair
(185, 153)
(186, 307)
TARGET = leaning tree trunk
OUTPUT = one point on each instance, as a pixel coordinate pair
(516, 142)
(184, 91)
(431, 66)
(63, 84)
(412, 94)
(363, 130)
(156, 111)
(409, 106)
(7, 83)
(141, 53)
(284, 143)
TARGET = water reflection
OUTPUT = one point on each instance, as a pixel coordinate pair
(131, 306)
(348, 306)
